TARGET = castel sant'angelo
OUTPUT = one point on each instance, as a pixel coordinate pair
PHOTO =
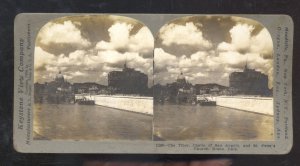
(128, 81)
(249, 82)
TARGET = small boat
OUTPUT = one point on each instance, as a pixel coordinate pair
(208, 103)
(85, 101)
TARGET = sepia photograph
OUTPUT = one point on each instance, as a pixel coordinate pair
(153, 83)
(213, 80)
(93, 76)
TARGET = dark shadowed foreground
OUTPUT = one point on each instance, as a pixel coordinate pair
(89, 122)
(216, 162)
(189, 122)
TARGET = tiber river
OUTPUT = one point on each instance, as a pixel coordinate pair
(185, 122)
(171, 122)
(89, 122)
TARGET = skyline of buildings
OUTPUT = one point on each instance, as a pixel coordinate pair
(130, 78)
(247, 82)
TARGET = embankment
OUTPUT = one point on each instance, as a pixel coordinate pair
(129, 103)
(263, 105)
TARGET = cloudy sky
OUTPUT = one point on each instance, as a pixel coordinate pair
(87, 48)
(208, 48)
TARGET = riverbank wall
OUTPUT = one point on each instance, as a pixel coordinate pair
(129, 103)
(262, 105)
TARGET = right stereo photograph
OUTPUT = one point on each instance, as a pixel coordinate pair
(213, 80)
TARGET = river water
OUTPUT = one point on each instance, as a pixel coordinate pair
(170, 122)
(186, 122)
(89, 122)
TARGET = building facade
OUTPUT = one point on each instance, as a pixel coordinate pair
(185, 90)
(57, 91)
(249, 82)
(180, 91)
(128, 81)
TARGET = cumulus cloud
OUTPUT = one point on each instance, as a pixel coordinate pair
(167, 66)
(75, 58)
(256, 50)
(47, 65)
(90, 58)
(195, 60)
(117, 59)
(232, 58)
(208, 49)
(42, 58)
(216, 64)
(121, 40)
(62, 33)
(199, 74)
(142, 41)
(119, 37)
(188, 34)
(80, 63)
(262, 43)
(241, 36)
(242, 41)
(111, 57)
(77, 73)
(163, 59)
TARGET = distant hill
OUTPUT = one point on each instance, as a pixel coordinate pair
(88, 84)
(210, 86)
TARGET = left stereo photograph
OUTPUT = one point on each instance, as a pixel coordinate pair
(87, 70)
